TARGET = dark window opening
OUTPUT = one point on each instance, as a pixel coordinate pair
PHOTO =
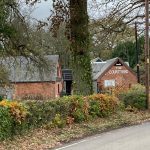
(68, 87)
(58, 88)
(67, 77)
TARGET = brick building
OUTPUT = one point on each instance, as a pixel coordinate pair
(112, 73)
(31, 82)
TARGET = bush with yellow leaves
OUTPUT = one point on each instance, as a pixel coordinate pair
(13, 118)
(17, 110)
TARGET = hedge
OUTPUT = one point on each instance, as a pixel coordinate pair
(16, 117)
(135, 97)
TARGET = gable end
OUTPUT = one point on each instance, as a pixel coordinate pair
(117, 62)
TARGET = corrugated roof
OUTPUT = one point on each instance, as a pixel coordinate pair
(22, 69)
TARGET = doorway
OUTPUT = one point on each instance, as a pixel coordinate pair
(68, 87)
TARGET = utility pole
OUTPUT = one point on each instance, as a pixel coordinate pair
(137, 54)
(147, 53)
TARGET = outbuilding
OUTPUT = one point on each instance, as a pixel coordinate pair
(113, 73)
(27, 81)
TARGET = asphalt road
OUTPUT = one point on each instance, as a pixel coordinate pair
(129, 138)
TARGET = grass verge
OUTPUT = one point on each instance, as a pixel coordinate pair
(44, 138)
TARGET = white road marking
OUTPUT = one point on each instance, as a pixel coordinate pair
(96, 137)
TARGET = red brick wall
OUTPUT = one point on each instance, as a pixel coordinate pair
(44, 89)
(39, 89)
(122, 76)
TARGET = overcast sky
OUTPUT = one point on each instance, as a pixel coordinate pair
(42, 9)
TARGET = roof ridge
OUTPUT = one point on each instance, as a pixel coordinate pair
(112, 59)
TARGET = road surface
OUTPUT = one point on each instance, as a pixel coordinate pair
(129, 138)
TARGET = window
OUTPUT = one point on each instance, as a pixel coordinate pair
(118, 63)
(109, 83)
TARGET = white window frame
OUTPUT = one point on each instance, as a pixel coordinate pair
(109, 83)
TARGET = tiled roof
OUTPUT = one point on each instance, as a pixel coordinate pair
(23, 70)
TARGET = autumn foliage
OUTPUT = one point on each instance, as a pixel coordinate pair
(19, 117)
(17, 110)
(13, 114)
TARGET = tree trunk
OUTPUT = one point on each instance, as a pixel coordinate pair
(82, 80)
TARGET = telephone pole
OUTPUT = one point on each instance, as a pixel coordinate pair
(147, 53)
(137, 54)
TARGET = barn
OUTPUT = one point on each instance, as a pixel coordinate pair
(27, 81)
(112, 73)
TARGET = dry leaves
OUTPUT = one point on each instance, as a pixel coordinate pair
(43, 139)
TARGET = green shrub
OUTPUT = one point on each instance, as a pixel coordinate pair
(106, 104)
(39, 113)
(79, 108)
(6, 122)
(135, 97)
(42, 112)
(59, 121)
(78, 115)
(94, 110)
(14, 116)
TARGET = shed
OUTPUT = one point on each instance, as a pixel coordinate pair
(31, 82)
